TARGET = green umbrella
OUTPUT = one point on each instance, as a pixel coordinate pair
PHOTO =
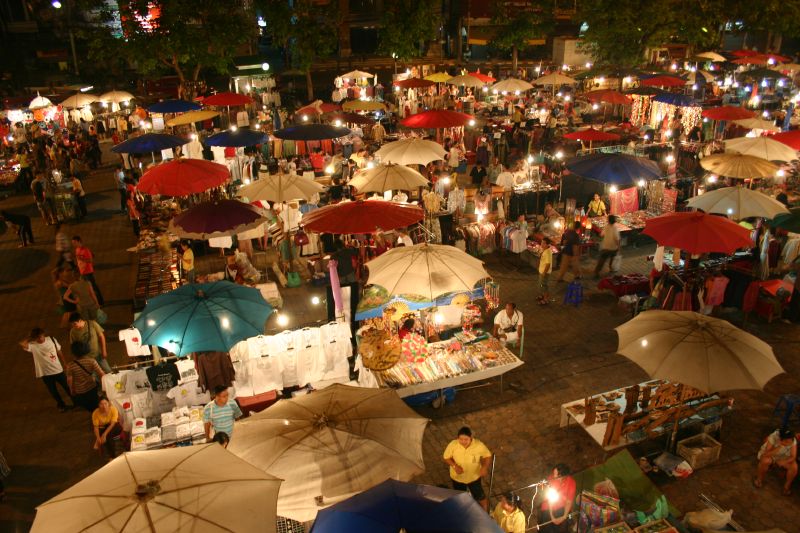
(789, 221)
(203, 317)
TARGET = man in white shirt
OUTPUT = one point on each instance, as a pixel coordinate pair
(609, 246)
(508, 324)
(48, 361)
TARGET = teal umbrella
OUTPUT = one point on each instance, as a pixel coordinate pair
(789, 221)
(203, 317)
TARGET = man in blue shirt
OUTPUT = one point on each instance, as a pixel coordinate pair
(219, 413)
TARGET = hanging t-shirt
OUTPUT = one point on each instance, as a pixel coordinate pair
(265, 374)
(45, 357)
(114, 384)
(137, 381)
(163, 377)
(242, 120)
(133, 342)
(142, 403)
(186, 370)
(188, 394)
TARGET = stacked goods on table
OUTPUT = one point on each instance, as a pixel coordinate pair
(149, 240)
(157, 273)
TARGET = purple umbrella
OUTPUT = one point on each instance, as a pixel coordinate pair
(222, 218)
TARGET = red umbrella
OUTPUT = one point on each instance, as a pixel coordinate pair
(790, 138)
(414, 83)
(663, 81)
(437, 119)
(318, 108)
(227, 99)
(727, 112)
(591, 135)
(350, 118)
(363, 216)
(483, 77)
(751, 60)
(222, 218)
(608, 96)
(698, 232)
(182, 177)
(744, 53)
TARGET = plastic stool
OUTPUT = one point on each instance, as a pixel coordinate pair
(789, 402)
(574, 294)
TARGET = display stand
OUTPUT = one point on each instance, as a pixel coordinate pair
(156, 274)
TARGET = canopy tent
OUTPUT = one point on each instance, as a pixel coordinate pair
(662, 80)
(676, 99)
(616, 169)
(364, 105)
(727, 112)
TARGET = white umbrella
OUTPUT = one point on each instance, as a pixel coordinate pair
(466, 80)
(193, 488)
(356, 75)
(332, 444)
(427, 270)
(411, 151)
(757, 124)
(762, 147)
(281, 188)
(511, 85)
(116, 97)
(699, 76)
(40, 102)
(388, 177)
(738, 203)
(711, 56)
(555, 79)
(706, 353)
(79, 100)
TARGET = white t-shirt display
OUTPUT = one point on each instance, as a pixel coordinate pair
(188, 394)
(187, 370)
(45, 357)
(133, 342)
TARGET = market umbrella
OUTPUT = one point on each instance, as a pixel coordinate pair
(712, 56)
(761, 73)
(173, 106)
(238, 137)
(608, 96)
(466, 80)
(786, 67)
(437, 118)
(739, 166)
(388, 177)
(349, 118)
(727, 112)
(485, 78)
(116, 97)
(662, 80)
(76, 101)
(738, 203)
(699, 76)
(318, 107)
(428, 270)
(698, 233)
(227, 99)
(363, 216)
(644, 91)
(512, 85)
(751, 60)
(554, 79)
(763, 147)
(700, 351)
(789, 221)
(191, 117)
(148, 143)
(281, 188)
(364, 105)
(438, 77)
(414, 83)
(789, 138)
(676, 99)
(40, 102)
(220, 218)
(182, 177)
(396, 506)
(311, 132)
(411, 151)
(332, 444)
(619, 169)
(590, 134)
(188, 488)
(757, 124)
(744, 53)
(356, 75)
(203, 317)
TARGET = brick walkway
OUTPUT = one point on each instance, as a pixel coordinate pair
(569, 353)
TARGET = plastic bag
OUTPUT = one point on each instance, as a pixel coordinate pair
(616, 262)
(708, 519)
(606, 488)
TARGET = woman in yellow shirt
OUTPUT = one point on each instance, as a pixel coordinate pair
(597, 208)
(508, 515)
(105, 420)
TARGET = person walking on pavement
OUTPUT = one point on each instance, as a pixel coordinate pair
(90, 333)
(469, 460)
(39, 190)
(122, 188)
(85, 260)
(609, 246)
(48, 362)
(63, 247)
(80, 198)
(80, 294)
(220, 413)
(83, 373)
(570, 253)
(22, 223)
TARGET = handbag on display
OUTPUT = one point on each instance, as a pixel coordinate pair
(301, 238)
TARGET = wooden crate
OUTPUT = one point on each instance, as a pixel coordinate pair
(700, 450)
(659, 526)
(619, 527)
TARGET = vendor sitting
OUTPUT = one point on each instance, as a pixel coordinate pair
(407, 328)
(597, 208)
(508, 324)
(780, 449)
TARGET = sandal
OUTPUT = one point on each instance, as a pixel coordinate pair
(787, 492)
(756, 483)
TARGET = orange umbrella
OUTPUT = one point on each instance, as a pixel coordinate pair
(483, 77)
(609, 96)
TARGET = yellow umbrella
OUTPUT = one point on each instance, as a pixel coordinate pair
(466, 80)
(555, 79)
(739, 166)
(363, 105)
(438, 77)
(192, 116)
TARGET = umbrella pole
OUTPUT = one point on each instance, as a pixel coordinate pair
(491, 476)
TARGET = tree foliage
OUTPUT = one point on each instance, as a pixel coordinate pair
(406, 25)
(517, 28)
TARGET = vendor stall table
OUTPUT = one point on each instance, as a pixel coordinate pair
(157, 273)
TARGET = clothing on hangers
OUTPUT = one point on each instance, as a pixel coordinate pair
(133, 342)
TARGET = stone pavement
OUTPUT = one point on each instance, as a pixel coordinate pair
(569, 353)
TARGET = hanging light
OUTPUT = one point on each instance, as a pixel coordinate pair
(304, 118)
(641, 183)
(613, 188)
(471, 122)
(282, 320)
(234, 128)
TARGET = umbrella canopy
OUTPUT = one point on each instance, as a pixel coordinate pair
(356, 75)
(712, 56)
(79, 100)
(761, 73)
(608, 96)
(676, 99)
(763, 147)
(318, 107)
(438, 118)
(591, 134)
(332, 444)
(350, 118)
(727, 112)
(182, 177)
(238, 138)
(757, 124)
(699, 76)
(786, 67)
(311, 132)
(281, 188)
(706, 353)
(619, 169)
(227, 99)
(364, 105)
(191, 488)
(202, 317)
(173, 106)
(554, 79)
(222, 218)
(744, 53)
(411, 151)
(393, 506)
(191, 117)
(739, 166)
(414, 83)
(512, 85)
(698, 233)
(466, 80)
(789, 221)
(116, 97)
(644, 91)
(363, 216)
(388, 177)
(438, 77)
(663, 80)
(751, 60)
(789, 138)
(485, 78)
(428, 270)
(147, 143)
(40, 102)
(738, 203)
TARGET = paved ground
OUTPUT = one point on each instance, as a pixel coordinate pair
(569, 353)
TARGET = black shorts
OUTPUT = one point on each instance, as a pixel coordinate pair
(475, 488)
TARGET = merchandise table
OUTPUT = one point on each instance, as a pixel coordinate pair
(628, 284)
(156, 274)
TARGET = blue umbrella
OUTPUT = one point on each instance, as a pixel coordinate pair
(616, 169)
(392, 505)
(173, 106)
(681, 100)
(203, 317)
(147, 143)
(237, 138)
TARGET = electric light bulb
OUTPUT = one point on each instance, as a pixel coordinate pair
(644, 343)
(304, 118)
(471, 122)
(282, 320)
(234, 128)
(613, 188)
(641, 183)
(329, 169)
(315, 300)
(670, 158)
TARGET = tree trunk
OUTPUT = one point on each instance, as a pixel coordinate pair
(514, 58)
(309, 85)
